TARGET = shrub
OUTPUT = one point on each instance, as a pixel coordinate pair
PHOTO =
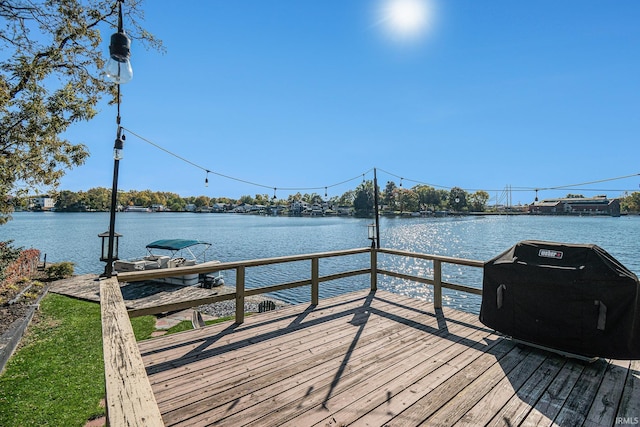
(8, 254)
(60, 270)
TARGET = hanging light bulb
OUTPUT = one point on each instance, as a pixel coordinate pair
(118, 67)
(206, 180)
(274, 194)
(118, 148)
(401, 181)
(325, 192)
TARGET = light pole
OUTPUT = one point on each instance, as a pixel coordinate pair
(119, 71)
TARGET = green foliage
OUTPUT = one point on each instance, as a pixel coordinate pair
(363, 202)
(478, 201)
(51, 78)
(631, 202)
(56, 378)
(60, 270)
(457, 199)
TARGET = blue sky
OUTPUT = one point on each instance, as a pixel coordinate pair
(290, 94)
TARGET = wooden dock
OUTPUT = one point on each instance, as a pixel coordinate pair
(140, 295)
(374, 359)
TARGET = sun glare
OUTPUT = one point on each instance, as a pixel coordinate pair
(405, 20)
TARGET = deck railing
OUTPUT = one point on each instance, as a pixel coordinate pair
(128, 391)
(437, 281)
(242, 269)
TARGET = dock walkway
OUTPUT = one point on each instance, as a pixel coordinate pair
(138, 295)
(373, 359)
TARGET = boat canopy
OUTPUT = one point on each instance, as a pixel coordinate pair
(175, 244)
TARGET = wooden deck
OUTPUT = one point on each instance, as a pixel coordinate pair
(139, 295)
(375, 359)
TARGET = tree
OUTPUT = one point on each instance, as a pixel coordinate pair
(246, 200)
(364, 199)
(408, 200)
(98, 199)
(631, 202)
(478, 201)
(389, 195)
(457, 198)
(347, 198)
(68, 201)
(50, 78)
(202, 201)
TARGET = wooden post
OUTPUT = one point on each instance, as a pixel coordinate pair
(374, 269)
(315, 273)
(240, 272)
(437, 283)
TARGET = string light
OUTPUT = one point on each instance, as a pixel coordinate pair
(206, 180)
(536, 189)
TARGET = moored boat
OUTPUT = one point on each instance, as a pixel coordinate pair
(174, 253)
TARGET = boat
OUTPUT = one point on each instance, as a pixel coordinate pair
(175, 253)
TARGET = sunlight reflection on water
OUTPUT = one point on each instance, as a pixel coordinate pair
(73, 237)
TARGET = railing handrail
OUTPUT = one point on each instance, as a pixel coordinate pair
(129, 398)
(314, 280)
(442, 258)
(128, 391)
(134, 276)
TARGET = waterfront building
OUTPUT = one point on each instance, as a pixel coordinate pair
(598, 205)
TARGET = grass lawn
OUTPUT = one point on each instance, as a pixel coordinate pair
(57, 376)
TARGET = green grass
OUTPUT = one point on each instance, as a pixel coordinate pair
(186, 325)
(57, 377)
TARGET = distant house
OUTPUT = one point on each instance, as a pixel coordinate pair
(599, 205)
(345, 210)
(219, 207)
(298, 207)
(42, 203)
(243, 208)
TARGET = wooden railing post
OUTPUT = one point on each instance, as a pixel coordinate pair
(437, 283)
(374, 269)
(240, 272)
(315, 283)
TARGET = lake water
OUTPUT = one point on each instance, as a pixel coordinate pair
(74, 237)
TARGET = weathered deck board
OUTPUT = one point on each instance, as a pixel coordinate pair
(377, 359)
(136, 295)
(129, 396)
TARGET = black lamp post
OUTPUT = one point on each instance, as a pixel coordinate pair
(118, 70)
(371, 231)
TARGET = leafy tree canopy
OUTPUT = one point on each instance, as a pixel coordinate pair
(50, 78)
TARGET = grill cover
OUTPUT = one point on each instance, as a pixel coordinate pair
(569, 297)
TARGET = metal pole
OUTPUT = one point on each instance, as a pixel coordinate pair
(375, 208)
(108, 269)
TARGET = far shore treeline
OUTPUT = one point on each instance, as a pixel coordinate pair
(393, 198)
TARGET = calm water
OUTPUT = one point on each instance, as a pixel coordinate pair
(74, 237)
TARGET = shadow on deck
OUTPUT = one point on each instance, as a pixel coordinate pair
(377, 358)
